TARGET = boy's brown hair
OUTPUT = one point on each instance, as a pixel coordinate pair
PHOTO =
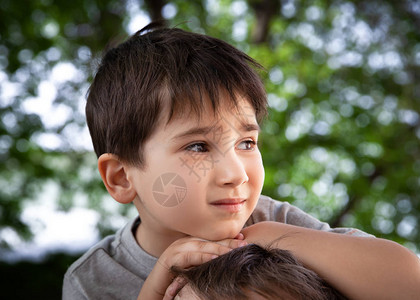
(160, 66)
(270, 273)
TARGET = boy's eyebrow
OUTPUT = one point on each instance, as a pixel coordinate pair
(246, 127)
(194, 131)
(250, 127)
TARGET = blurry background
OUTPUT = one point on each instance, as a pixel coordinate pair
(342, 140)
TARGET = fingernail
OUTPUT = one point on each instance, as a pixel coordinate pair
(214, 256)
(242, 243)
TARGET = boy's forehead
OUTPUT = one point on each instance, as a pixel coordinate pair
(240, 112)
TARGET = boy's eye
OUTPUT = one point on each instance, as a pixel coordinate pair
(247, 145)
(197, 147)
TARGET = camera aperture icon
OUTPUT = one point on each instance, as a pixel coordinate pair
(169, 189)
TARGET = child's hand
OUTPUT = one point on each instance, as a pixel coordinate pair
(183, 253)
(191, 251)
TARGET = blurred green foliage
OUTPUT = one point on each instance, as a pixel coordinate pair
(343, 83)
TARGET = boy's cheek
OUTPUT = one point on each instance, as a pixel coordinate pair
(256, 173)
(196, 168)
(175, 198)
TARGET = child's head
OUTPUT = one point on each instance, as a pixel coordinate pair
(174, 117)
(254, 272)
(159, 67)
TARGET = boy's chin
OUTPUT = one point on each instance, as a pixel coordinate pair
(230, 233)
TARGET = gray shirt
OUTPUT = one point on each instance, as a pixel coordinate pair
(117, 266)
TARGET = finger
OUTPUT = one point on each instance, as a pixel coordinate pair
(240, 236)
(177, 284)
(214, 247)
(195, 252)
(204, 247)
(217, 247)
(232, 243)
(189, 259)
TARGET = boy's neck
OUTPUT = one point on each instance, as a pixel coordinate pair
(154, 242)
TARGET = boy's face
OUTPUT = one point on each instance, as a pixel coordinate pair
(202, 177)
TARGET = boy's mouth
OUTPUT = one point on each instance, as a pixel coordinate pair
(231, 205)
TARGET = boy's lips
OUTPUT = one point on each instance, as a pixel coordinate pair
(229, 204)
(228, 201)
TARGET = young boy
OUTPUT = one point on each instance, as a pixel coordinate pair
(253, 272)
(174, 120)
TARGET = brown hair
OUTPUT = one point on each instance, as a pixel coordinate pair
(160, 66)
(270, 273)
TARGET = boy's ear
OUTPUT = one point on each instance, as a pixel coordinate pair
(114, 175)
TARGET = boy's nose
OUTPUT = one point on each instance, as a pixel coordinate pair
(231, 170)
